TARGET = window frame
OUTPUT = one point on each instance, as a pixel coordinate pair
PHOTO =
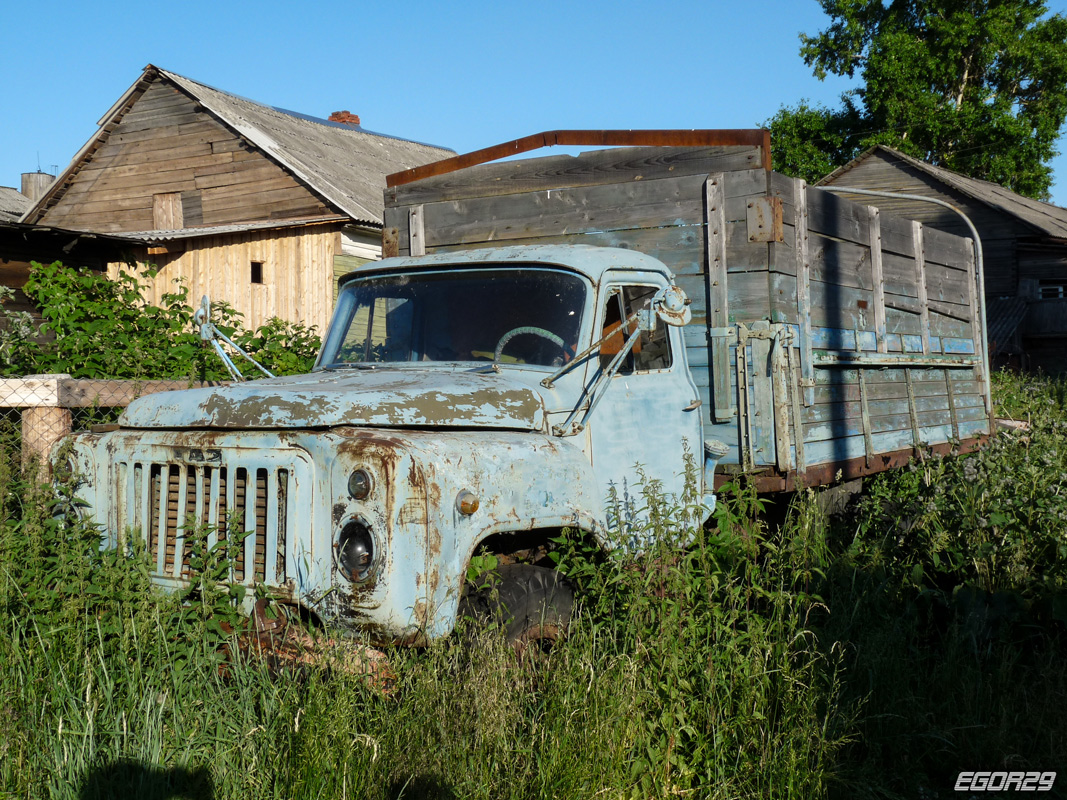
(614, 291)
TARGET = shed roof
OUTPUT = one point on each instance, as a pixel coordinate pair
(345, 164)
(13, 204)
(152, 237)
(1045, 218)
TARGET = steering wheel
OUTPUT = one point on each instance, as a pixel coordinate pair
(507, 337)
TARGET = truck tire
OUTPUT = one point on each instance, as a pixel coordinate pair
(531, 605)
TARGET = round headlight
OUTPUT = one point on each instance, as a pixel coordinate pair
(360, 484)
(355, 551)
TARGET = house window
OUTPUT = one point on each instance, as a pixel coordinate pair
(1053, 290)
(257, 272)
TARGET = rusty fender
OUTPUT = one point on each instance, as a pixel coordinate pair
(521, 481)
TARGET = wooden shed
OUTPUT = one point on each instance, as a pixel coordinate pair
(253, 205)
(1024, 242)
(21, 244)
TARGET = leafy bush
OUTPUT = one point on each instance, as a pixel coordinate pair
(95, 327)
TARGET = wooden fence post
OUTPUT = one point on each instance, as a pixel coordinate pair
(44, 419)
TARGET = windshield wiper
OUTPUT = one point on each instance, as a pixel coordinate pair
(349, 365)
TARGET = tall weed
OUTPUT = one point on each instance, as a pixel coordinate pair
(850, 657)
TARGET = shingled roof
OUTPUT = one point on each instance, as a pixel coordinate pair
(343, 163)
(1045, 218)
(13, 204)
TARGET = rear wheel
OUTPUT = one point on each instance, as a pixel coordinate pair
(531, 605)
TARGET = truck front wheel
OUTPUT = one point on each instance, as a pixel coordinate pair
(532, 605)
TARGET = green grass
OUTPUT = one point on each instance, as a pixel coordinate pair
(876, 655)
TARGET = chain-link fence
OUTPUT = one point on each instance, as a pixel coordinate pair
(42, 409)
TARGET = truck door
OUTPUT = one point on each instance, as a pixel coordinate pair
(649, 410)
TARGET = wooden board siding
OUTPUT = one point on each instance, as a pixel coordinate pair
(298, 265)
(167, 145)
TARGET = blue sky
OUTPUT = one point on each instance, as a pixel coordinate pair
(462, 76)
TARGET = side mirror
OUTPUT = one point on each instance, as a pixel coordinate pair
(672, 306)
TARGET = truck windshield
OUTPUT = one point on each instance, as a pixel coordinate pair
(532, 316)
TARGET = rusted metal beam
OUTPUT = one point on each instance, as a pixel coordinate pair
(837, 471)
(648, 138)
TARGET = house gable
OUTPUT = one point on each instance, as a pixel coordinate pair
(165, 163)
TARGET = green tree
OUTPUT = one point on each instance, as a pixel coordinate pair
(976, 86)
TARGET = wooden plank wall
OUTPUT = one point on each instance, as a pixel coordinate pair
(922, 278)
(298, 266)
(842, 278)
(167, 145)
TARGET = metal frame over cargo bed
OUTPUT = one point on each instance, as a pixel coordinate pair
(861, 334)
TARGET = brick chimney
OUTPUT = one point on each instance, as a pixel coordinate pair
(344, 117)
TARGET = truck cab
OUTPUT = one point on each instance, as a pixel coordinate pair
(480, 399)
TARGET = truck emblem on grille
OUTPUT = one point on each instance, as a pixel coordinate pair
(200, 456)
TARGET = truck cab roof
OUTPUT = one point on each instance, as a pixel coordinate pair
(588, 260)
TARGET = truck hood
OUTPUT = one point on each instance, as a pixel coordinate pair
(376, 398)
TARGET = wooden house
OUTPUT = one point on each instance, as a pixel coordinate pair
(1024, 243)
(252, 205)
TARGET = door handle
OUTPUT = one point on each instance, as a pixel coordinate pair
(694, 405)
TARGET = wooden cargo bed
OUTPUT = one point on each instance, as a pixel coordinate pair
(860, 334)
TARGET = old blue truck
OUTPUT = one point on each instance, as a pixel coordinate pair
(541, 327)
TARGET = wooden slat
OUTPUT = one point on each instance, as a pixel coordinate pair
(946, 249)
(717, 298)
(839, 430)
(876, 277)
(416, 231)
(833, 216)
(802, 286)
(594, 208)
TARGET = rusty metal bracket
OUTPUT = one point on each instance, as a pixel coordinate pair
(764, 220)
(648, 138)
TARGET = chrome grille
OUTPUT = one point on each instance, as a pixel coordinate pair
(252, 504)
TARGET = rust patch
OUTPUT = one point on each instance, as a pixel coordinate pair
(339, 511)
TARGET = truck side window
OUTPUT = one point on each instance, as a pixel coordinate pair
(650, 351)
